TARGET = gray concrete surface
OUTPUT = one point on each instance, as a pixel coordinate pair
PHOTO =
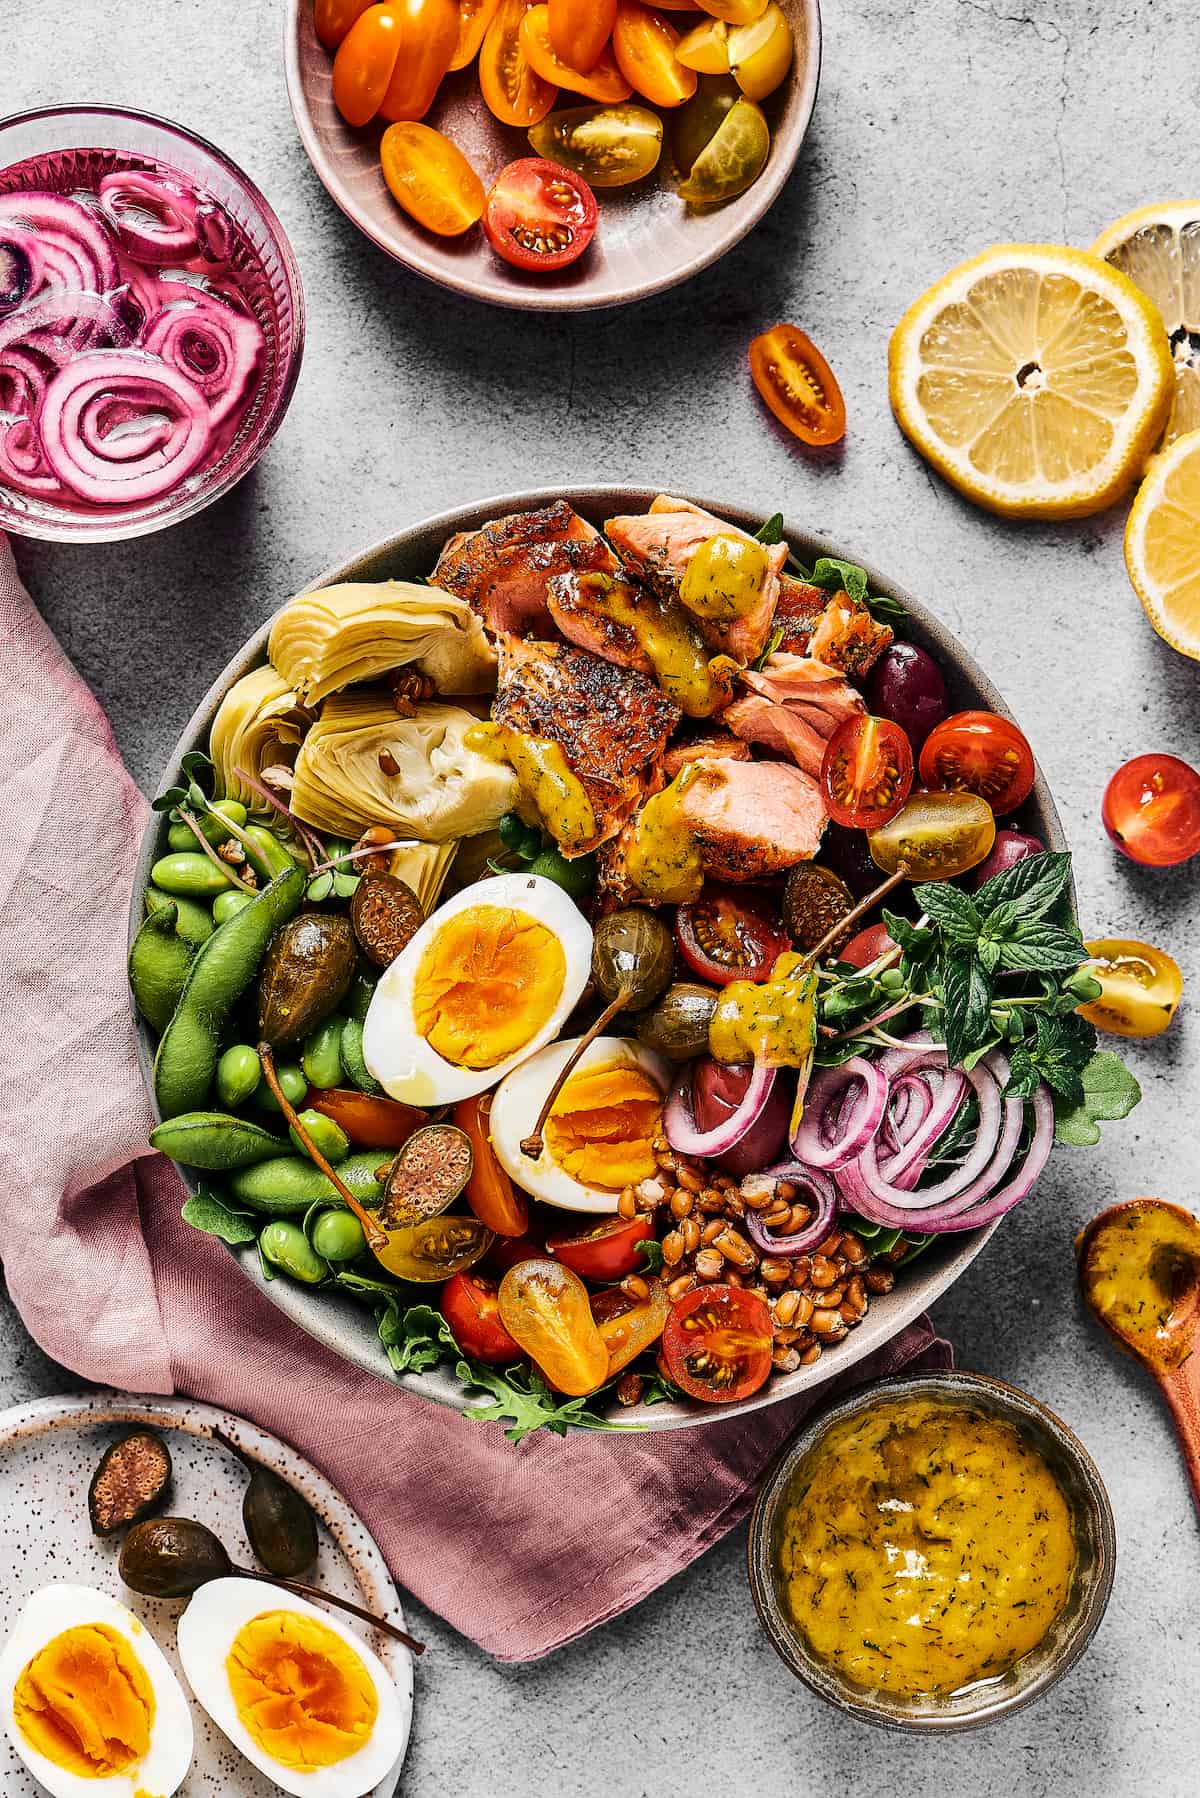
(941, 127)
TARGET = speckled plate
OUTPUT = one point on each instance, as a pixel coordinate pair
(48, 1453)
(648, 238)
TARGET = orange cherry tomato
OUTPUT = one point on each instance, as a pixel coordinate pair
(717, 1343)
(333, 19)
(630, 1325)
(474, 17)
(515, 93)
(644, 43)
(490, 1193)
(470, 1306)
(798, 385)
(603, 82)
(579, 30)
(365, 63)
(544, 1307)
(431, 178)
(428, 39)
(369, 1120)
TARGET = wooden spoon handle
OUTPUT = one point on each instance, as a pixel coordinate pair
(1181, 1389)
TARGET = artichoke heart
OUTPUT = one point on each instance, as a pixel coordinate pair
(259, 724)
(424, 867)
(341, 636)
(363, 764)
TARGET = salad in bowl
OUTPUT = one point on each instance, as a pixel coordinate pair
(606, 969)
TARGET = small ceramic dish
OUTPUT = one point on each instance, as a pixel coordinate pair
(648, 239)
(1069, 1634)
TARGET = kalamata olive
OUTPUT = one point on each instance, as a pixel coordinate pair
(632, 953)
(677, 1023)
(307, 973)
(814, 900)
(906, 685)
(846, 852)
(1010, 847)
(717, 1091)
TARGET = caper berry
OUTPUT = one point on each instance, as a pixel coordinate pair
(633, 954)
(677, 1024)
(814, 900)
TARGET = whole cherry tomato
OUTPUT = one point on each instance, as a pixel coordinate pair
(797, 383)
(628, 1325)
(606, 1251)
(513, 91)
(490, 1193)
(539, 216)
(365, 63)
(431, 178)
(333, 19)
(369, 1120)
(935, 836)
(979, 752)
(717, 1343)
(1152, 810)
(602, 82)
(867, 773)
(1141, 986)
(644, 43)
(544, 1307)
(579, 30)
(867, 946)
(470, 1306)
(428, 40)
(474, 17)
(725, 936)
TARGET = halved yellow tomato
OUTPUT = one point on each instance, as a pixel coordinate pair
(431, 178)
(610, 146)
(474, 17)
(544, 1307)
(1141, 986)
(760, 54)
(428, 39)
(579, 30)
(705, 48)
(603, 81)
(515, 93)
(645, 45)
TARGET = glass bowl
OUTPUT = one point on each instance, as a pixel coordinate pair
(276, 295)
(987, 1700)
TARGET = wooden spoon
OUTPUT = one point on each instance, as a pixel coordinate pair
(1139, 1270)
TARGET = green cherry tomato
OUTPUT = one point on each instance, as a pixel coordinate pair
(695, 124)
(326, 1136)
(293, 1083)
(610, 146)
(239, 1075)
(934, 836)
(338, 1236)
(732, 160)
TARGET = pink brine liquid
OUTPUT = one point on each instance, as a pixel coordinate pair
(131, 351)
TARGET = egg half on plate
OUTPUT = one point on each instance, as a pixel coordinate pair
(305, 1699)
(599, 1136)
(489, 978)
(89, 1702)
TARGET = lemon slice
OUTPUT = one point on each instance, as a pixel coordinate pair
(1036, 378)
(1162, 544)
(1158, 247)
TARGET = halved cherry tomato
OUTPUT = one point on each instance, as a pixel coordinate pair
(474, 17)
(544, 1307)
(510, 1251)
(431, 1251)
(732, 159)
(867, 946)
(603, 81)
(725, 936)
(979, 752)
(369, 1120)
(644, 43)
(610, 146)
(470, 1306)
(630, 1325)
(1152, 810)
(760, 53)
(867, 773)
(608, 1251)
(490, 1193)
(431, 178)
(514, 92)
(579, 30)
(428, 40)
(734, 12)
(539, 215)
(705, 48)
(1141, 985)
(365, 63)
(798, 385)
(333, 19)
(935, 836)
(717, 1343)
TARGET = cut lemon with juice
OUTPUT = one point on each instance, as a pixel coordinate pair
(1162, 544)
(1035, 378)
(1158, 247)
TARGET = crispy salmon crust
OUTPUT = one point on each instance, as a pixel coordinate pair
(502, 569)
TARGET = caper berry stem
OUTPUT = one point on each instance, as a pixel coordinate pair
(342, 1604)
(376, 1237)
(532, 1144)
(838, 930)
(230, 873)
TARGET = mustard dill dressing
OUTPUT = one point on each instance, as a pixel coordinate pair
(927, 1547)
(1141, 1266)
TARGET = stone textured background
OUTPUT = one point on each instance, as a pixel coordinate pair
(942, 126)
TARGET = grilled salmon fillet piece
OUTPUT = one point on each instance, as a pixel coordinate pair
(659, 544)
(610, 723)
(794, 706)
(752, 819)
(501, 570)
(635, 628)
(834, 628)
(716, 745)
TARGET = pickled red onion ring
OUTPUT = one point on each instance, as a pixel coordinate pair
(211, 345)
(155, 219)
(22, 464)
(121, 426)
(65, 242)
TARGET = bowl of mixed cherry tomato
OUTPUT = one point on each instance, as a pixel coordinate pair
(554, 154)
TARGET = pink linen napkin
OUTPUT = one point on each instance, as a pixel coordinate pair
(112, 1283)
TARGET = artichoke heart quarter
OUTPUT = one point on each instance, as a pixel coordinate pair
(341, 636)
(258, 725)
(424, 867)
(362, 763)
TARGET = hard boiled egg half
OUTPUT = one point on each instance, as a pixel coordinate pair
(489, 978)
(303, 1697)
(88, 1700)
(599, 1136)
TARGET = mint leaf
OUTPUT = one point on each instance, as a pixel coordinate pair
(1041, 946)
(1032, 885)
(205, 1211)
(772, 531)
(968, 1001)
(1109, 1091)
(951, 910)
(834, 576)
(916, 942)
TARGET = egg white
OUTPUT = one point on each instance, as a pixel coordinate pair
(48, 1613)
(206, 1634)
(405, 1065)
(520, 1098)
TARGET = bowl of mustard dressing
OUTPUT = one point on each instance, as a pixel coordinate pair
(933, 1552)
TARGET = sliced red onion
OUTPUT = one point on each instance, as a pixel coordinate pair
(154, 218)
(121, 427)
(888, 1191)
(23, 379)
(925, 1122)
(213, 235)
(837, 1123)
(680, 1125)
(22, 464)
(66, 244)
(69, 317)
(216, 348)
(16, 274)
(810, 1182)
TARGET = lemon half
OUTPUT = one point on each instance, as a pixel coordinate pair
(1162, 544)
(1158, 247)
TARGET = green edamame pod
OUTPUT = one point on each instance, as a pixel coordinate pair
(267, 855)
(223, 969)
(286, 1247)
(360, 995)
(337, 1236)
(158, 966)
(214, 1141)
(291, 1079)
(193, 922)
(352, 1058)
(239, 1075)
(328, 1138)
(194, 876)
(211, 825)
(321, 1058)
(291, 1183)
(228, 905)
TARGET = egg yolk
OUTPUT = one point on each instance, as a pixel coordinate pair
(301, 1692)
(602, 1127)
(486, 985)
(86, 1703)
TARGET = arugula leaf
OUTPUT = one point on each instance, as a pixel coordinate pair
(834, 576)
(771, 531)
(522, 1396)
(1109, 1091)
(1031, 886)
(659, 1390)
(951, 909)
(769, 647)
(884, 609)
(416, 1337)
(206, 1211)
(651, 1248)
(1039, 946)
(968, 1002)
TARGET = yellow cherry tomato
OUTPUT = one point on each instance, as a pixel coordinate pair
(1141, 985)
(515, 93)
(365, 63)
(333, 19)
(428, 39)
(610, 146)
(434, 1249)
(645, 45)
(545, 1308)
(732, 159)
(934, 836)
(760, 54)
(579, 30)
(734, 12)
(705, 48)
(474, 17)
(431, 178)
(603, 81)
(725, 577)
(630, 1326)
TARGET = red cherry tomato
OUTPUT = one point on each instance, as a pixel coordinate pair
(1152, 810)
(717, 1343)
(490, 1193)
(369, 1120)
(798, 385)
(539, 215)
(867, 946)
(607, 1251)
(471, 1308)
(867, 773)
(510, 1251)
(725, 936)
(978, 752)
